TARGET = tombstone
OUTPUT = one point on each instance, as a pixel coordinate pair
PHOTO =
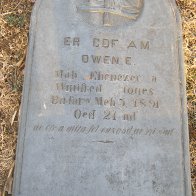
(104, 106)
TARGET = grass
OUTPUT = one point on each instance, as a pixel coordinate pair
(14, 26)
(15, 20)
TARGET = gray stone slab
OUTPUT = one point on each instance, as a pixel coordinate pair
(104, 106)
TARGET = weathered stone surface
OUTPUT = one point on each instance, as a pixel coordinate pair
(103, 110)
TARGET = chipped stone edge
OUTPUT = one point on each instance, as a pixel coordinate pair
(26, 92)
(24, 103)
(182, 85)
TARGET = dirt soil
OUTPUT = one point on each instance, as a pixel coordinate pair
(14, 26)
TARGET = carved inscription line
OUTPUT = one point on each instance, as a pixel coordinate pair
(77, 129)
(109, 43)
